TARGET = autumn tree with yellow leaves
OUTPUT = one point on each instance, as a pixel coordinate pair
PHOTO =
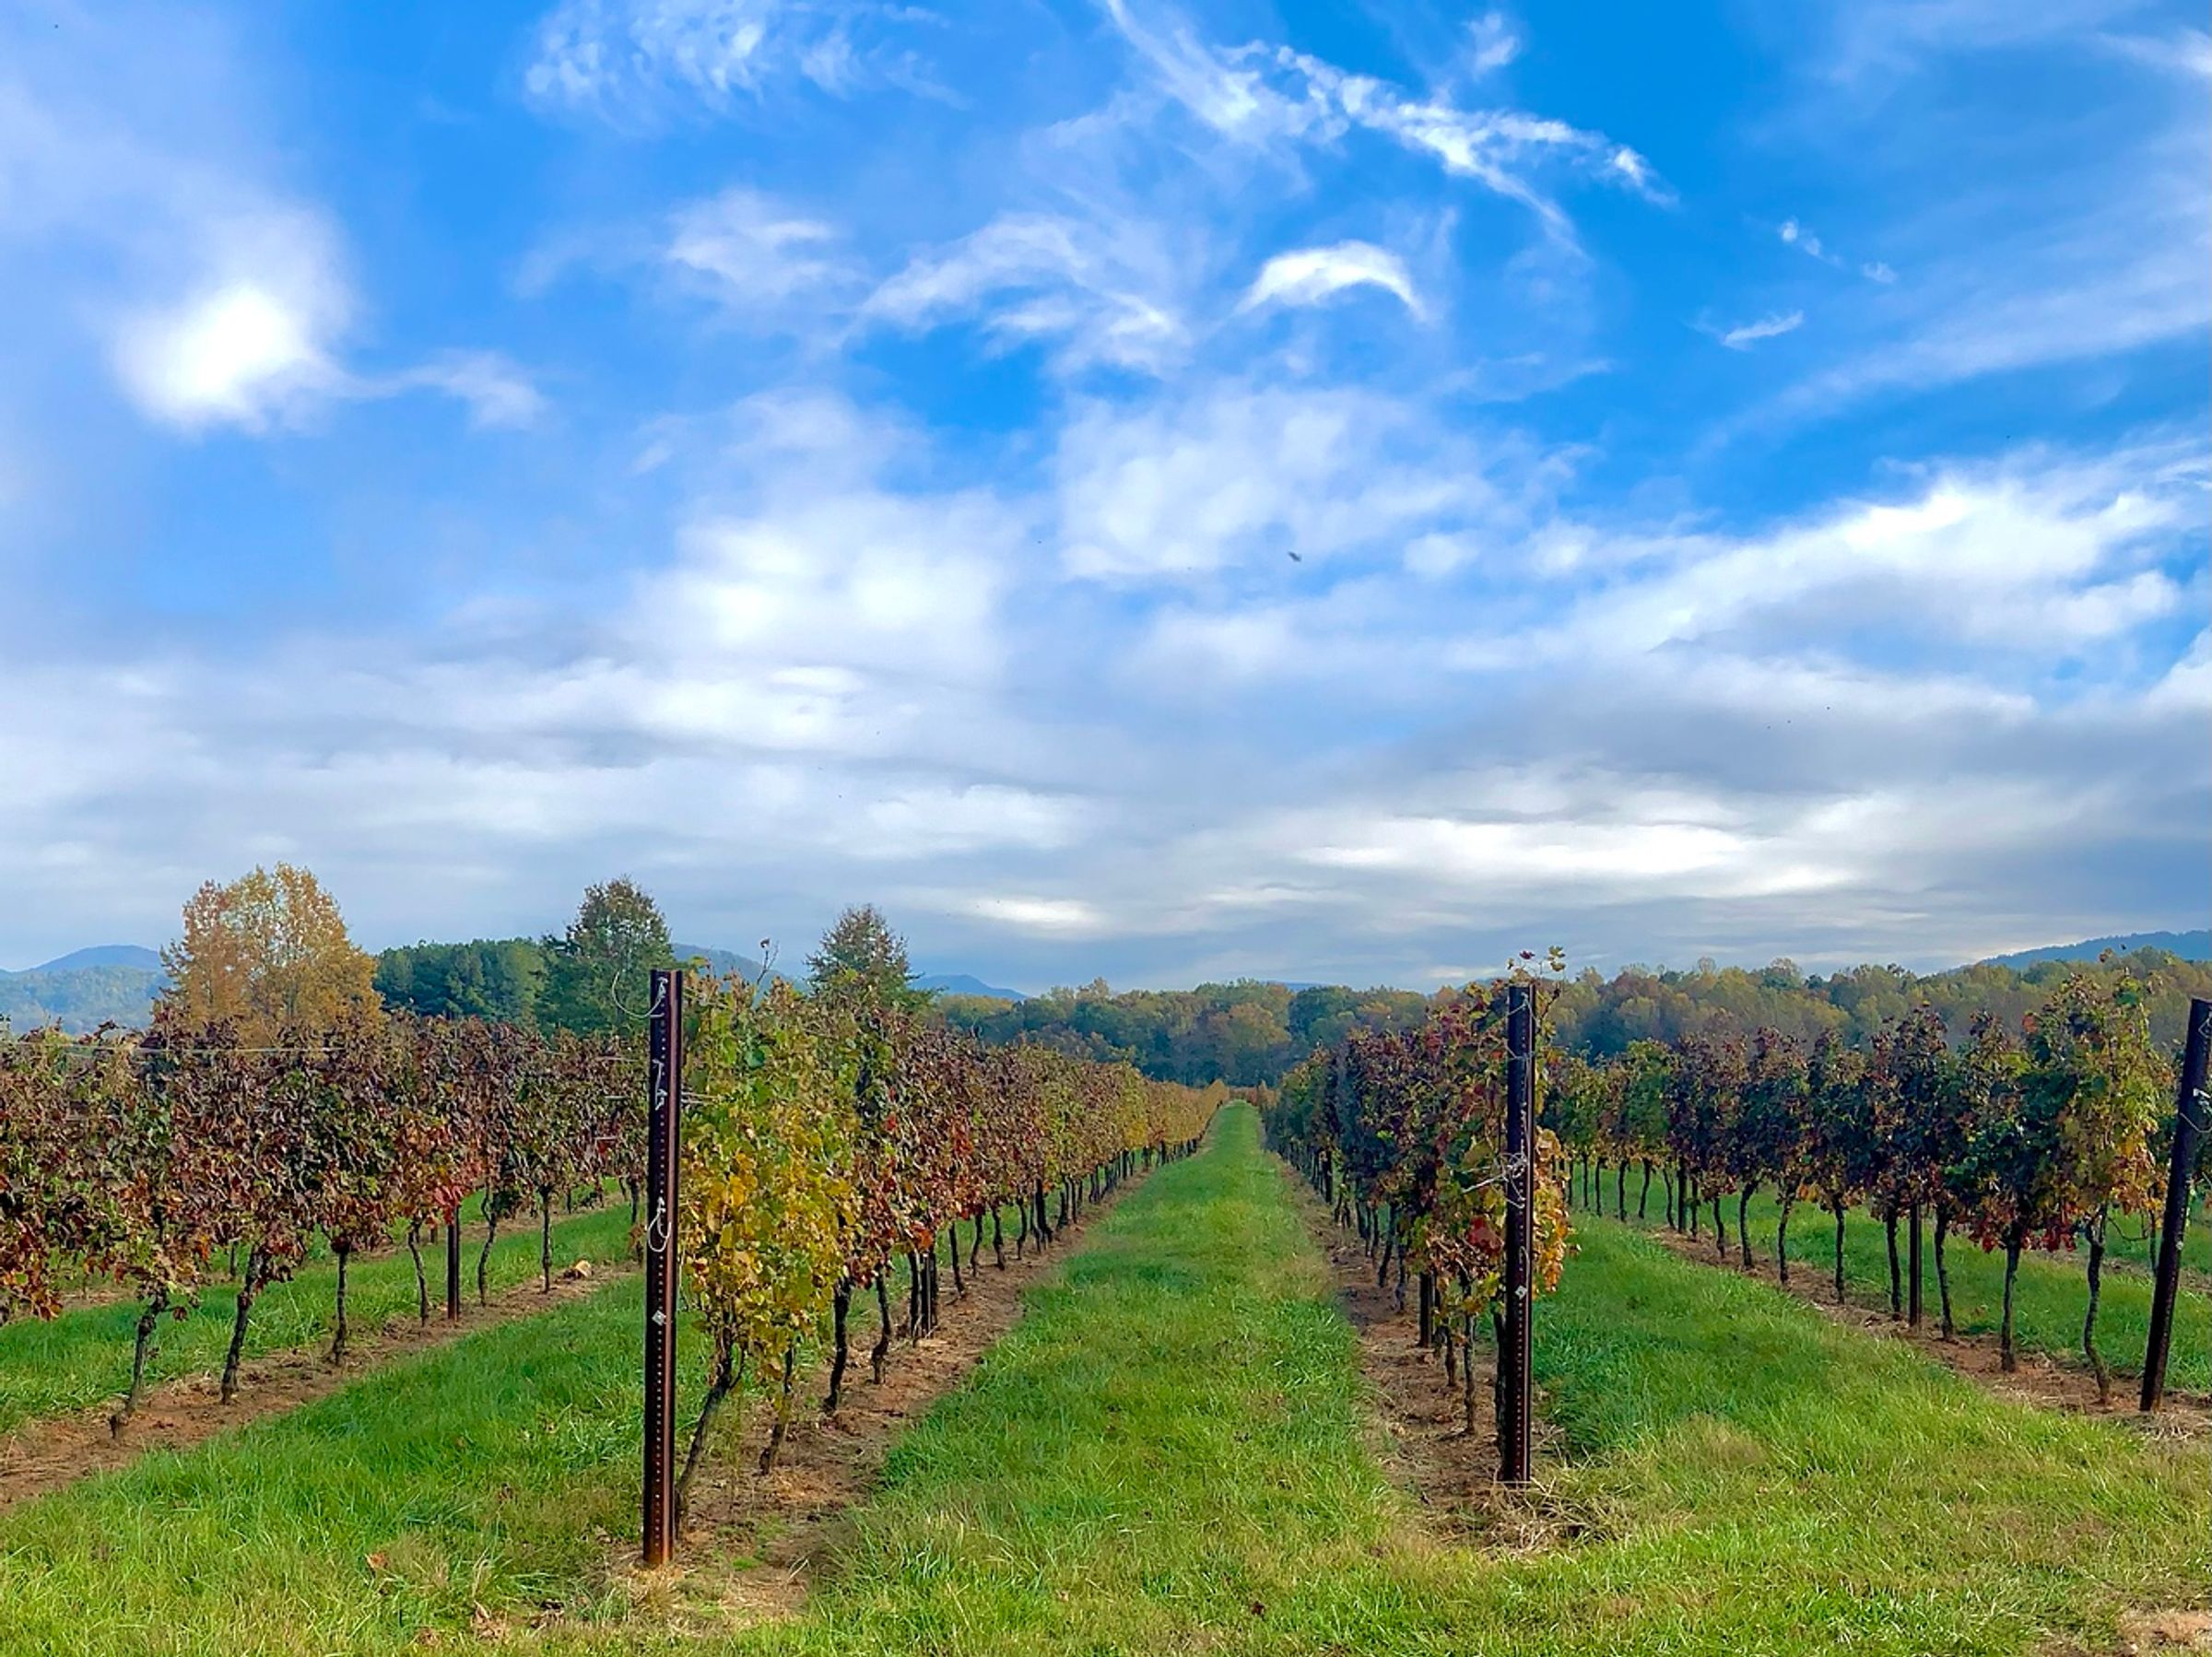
(268, 955)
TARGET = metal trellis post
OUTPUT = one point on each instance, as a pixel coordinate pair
(664, 1109)
(452, 1265)
(1515, 1353)
(2190, 1109)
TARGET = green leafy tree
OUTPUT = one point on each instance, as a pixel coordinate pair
(860, 953)
(598, 974)
(499, 978)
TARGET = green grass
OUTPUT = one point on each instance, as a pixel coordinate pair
(1169, 1454)
(2051, 1297)
(482, 1473)
(83, 1357)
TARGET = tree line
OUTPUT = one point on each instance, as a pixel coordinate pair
(1403, 1132)
(1252, 1032)
(2019, 1130)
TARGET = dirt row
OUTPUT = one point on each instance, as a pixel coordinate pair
(1420, 1433)
(44, 1456)
(754, 1545)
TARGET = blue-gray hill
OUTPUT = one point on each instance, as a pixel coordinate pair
(2189, 946)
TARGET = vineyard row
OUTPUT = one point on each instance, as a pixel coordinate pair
(1402, 1132)
(826, 1136)
(2030, 1136)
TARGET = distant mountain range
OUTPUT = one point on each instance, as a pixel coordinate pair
(727, 961)
(2189, 946)
(722, 963)
(961, 983)
(109, 983)
(116, 983)
(104, 954)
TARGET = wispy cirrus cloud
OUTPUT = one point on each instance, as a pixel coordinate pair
(628, 59)
(753, 254)
(1492, 43)
(1095, 293)
(1744, 336)
(498, 394)
(2182, 50)
(1793, 234)
(1310, 275)
(1263, 96)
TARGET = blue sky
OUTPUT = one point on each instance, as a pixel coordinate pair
(1166, 491)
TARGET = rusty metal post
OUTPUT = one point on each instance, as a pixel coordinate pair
(665, 1083)
(1517, 1352)
(2190, 1110)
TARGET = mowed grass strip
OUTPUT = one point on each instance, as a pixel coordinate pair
(83, 1357)
(2051, 1296)
(444, 1500)
(485, 1474)
(1169, 1454)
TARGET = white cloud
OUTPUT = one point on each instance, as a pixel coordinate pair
(1230, 91)
(834, 677)
(935, 820)
(1311, 274)
(1063, 916)
(1744, 336)
(2032, 556)
(753, 254)
(1099, 294)
(1878, 38)
(2183, 51)
(1644, 857)
(618, 58)
(2187, 684)
(2115, 265)
(1244, 478)
(1795, 235)
(1492, 43)
(1261, 97)
(219, 296)
(497, 393)
(251, 339)
(1243, 644)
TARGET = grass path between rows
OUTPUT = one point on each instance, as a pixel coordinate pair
(83, 1357)
(1171, 1454)
(2051, 1297)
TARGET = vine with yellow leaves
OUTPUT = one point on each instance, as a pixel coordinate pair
(829, 1137)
